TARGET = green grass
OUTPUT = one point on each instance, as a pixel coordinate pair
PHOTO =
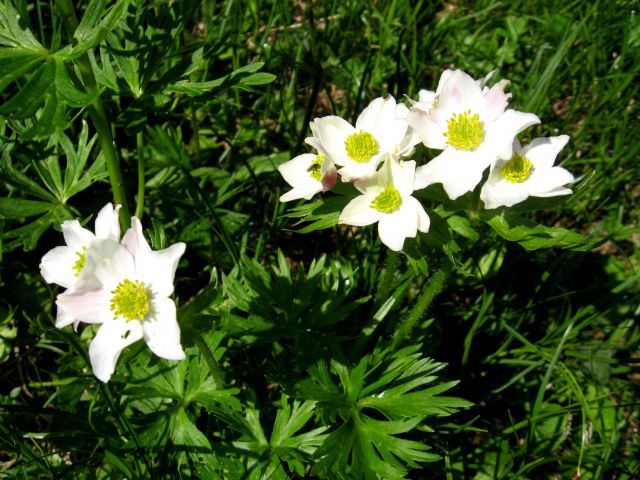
(288, 333)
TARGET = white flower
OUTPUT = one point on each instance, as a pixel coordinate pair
(379, 131)
(63, 265)
(308, 174)
(468, 121)
(386, 199)
(529, 172)
(130, 298)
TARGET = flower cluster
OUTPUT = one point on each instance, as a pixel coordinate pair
(465, 119)
(122, 285)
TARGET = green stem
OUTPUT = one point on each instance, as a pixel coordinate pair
(433, 288)
(141, 168)
(98, 117)
(386, 280)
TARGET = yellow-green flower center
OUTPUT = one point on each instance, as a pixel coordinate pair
(465, 131)
(315, 169)
(518, 169)
(387, 200)
(80, 261)
(130, 300)
(361, 146)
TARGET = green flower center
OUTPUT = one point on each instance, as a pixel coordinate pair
(518, 169)
(315, 169)
(80, 261)
(387, 200)
(130, 300)
(361, 146)
(465, 131)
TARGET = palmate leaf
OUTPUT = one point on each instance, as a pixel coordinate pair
(367, 444)
(266, 458)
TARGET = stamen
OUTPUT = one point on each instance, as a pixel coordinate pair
(387, 200)
(465, 131)
(130, 300)
(81, 260)
(315, 169)
(518, 169)
(361, 146)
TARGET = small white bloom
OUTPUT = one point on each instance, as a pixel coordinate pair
(130, 299)
(358, 150)
(386, 199)
(308, 174)
(63, 265)
(529, 172)
(468, 121)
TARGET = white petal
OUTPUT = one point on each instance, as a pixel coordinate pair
(161, 331)
(424, 222)
(108, 262)
(544, 182)
(134, 240)
(358, 212)
(157, 269)
(443, 80)
(107, 223)
(63, 317)
(502, 193)
(75, 236)
(296, 171)
(89, 306)
(110, 340)
(459, 172)
(426, 99)
(427, 130)
(403, 175)
(500, 134)
(298, 193)
(57, 266)
(333, 131)
(356, 171)
(377, 114)
(543, 151)
(394, 227)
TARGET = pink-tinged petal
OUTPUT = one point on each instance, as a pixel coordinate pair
(496, 100)
(57, 266)
(431, 134)
(542, 182)
(157, 269)
(329, 179)
(542, 152)
(112, 337)
(459, 94)
(134, 240)
(89, 306)
(395, 227)
(75, 236)
(161, 331)
(358, 212)
(502, 194)
(500, 134)
(107, 223)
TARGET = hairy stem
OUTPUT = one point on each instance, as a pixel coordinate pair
(434, 286)
(141, 167)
